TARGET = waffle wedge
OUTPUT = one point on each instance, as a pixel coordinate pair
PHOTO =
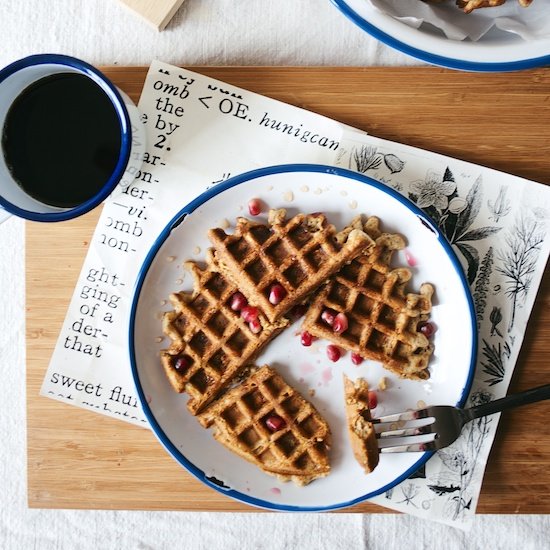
(296, 256)
(360, 429)
(210, 343)
(383, 319)
(267, 422)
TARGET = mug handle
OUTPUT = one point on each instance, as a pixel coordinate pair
(4, 215)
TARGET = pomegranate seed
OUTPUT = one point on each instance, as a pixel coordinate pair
(275, 423)
(427, 329)
(340, 323)
(373, 399)
(238, 301)
(276, 294)
(306, 339)
(182, 363)
(356, 359)
(328, 316)
(255, 326)
(254, 207)
(249, 313)
(333, 352)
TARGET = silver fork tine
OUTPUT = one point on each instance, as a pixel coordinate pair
(395, 440)
(399, 417)
(417, 430)
(412, 447)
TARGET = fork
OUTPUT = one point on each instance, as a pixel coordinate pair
(442, 423)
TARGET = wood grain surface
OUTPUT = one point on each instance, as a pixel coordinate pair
(77, 459)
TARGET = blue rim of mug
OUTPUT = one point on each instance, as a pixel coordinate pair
(125, 134)
(437, 59)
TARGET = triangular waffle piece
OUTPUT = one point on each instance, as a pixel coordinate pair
(360, 429)
(382, 319)
(298, 254)
(211, 343)
(267, 422)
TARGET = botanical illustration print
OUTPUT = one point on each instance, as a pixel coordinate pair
(519, 259)
(493, 362)
(455, 215)
(499, 240)
(367, 158)
(500, 207)
(459, 460)
(482, 287)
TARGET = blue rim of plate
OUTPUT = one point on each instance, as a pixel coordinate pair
(125, 134)
(435, 59)
(190, 208)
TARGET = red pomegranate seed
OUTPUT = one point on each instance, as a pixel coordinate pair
(255, 326)
(356, 359)
(333, 352)
(238, 301)
(276, 294)
(427, 329)
(249, 313)
(254, 207)
(340, 323)
(275, 423)
(328, 316)
(182, 363)
(306, 339)
(373, 399)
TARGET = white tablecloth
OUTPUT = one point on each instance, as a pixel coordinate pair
(207, 32)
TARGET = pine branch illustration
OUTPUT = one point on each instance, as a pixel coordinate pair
(482, 284)
(519, 260)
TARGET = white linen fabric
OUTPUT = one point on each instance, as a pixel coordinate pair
(207, 32)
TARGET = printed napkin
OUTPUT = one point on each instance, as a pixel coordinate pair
(200, 132)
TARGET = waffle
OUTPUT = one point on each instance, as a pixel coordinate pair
(360, 429)
(297, 450)
(382, 319)
(214, 341)
(470, 5)
(298, 254)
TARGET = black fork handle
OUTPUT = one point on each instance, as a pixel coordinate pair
(515, 400)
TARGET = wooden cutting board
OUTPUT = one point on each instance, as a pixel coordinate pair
(77, 459)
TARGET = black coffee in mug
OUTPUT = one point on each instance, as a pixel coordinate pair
(61, 139)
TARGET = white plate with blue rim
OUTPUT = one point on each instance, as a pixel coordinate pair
(495, 51)
(341, 195)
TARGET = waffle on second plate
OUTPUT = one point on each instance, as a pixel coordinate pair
(383, 320)
(267, 422)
